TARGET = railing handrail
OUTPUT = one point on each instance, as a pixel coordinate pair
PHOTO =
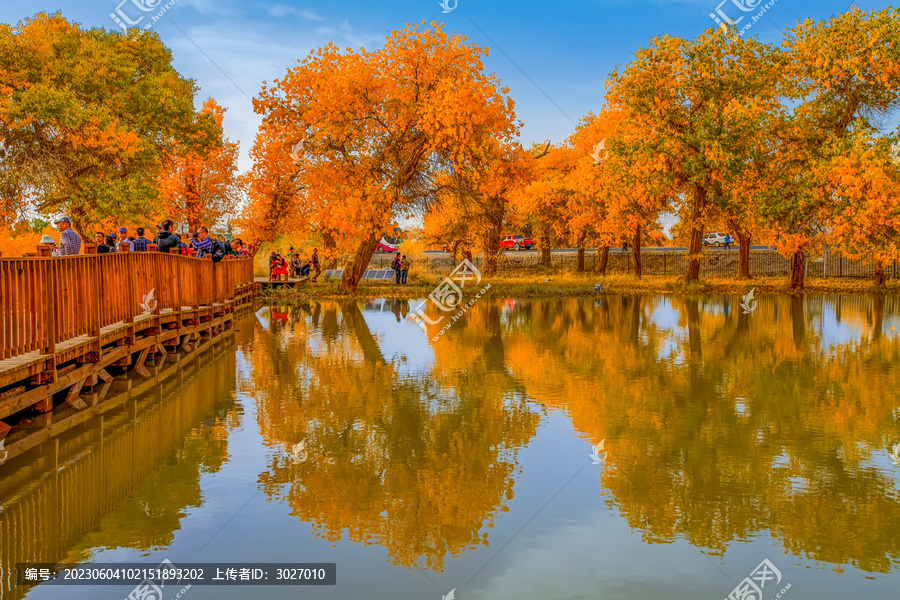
(45, 300)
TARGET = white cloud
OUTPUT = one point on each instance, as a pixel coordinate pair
(280, 10)
(248, 56)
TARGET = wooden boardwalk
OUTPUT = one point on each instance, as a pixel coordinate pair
(66, 322)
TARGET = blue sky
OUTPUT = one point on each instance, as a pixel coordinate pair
(554, 57)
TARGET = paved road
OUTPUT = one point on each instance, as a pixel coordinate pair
(589, 251)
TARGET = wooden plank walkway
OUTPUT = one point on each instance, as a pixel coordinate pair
(65, 321)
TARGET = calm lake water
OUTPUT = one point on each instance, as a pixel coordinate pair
(341, 432)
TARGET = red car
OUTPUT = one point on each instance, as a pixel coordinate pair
(516, 242)
(388, 244)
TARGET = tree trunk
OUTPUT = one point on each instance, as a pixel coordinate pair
(697, 225)
(879, 273)
(454, 251)
(743, 256)
(798, 270)
(636, 251)
(358, 264)
(330, 250)
(491, 240)
(743, 240)
(580, 260)
(546, 246)
(602, 260)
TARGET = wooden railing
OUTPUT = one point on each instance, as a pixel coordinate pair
(47, 300)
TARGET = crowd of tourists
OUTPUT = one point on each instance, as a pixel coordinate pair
(165, 240)
(294, 266)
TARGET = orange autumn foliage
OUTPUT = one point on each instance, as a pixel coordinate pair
(201, 187)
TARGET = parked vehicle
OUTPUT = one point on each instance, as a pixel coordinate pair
(388, 244)
(714, 239)
(516, 242)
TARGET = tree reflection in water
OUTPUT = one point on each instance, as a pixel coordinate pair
(720, 426)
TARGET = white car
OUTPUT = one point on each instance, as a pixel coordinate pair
(714, 239)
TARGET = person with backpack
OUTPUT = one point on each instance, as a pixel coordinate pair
(203, 244)
(404, 269)
(395, 265)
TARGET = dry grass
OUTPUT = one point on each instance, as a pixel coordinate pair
(580, 284)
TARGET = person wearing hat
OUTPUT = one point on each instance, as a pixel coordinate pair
(123, 239)
(69, 241)
(49, 240)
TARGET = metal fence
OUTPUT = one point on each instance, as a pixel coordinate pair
(713, 263)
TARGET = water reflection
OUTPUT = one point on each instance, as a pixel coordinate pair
(417, 463)
(123, 479)
(721, 426)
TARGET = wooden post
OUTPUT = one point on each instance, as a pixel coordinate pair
(45, 250)
(50, 311)
(89, 248)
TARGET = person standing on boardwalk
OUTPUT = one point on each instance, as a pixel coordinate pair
(203, 243)
(123, 239)
(140, 243)
(395, 265)
(165, 240)
(404, 269)
(315, 265)
(100, 241)
(291, 262)
(54, 250)
(69, 241)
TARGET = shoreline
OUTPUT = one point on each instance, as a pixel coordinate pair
(571, 285)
